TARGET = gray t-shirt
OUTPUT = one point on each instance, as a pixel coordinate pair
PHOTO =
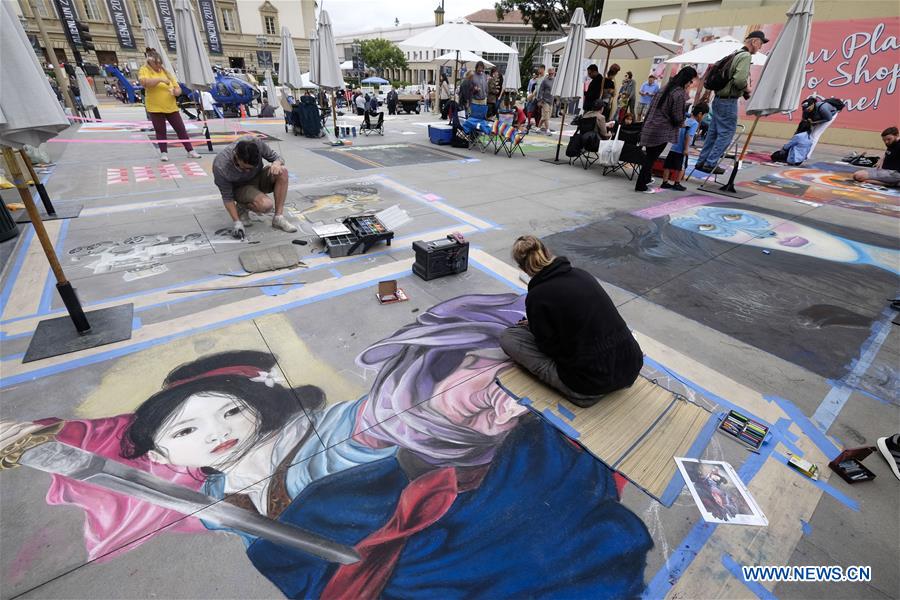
(480, 86)
(545, 92)
(227, 176)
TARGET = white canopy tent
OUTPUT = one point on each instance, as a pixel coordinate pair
(463, 56)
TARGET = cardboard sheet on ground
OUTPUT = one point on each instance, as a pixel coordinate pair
(637, 431)
(269, 259)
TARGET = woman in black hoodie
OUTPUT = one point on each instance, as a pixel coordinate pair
(573, 338)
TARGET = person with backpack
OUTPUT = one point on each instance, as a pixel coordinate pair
(729, 79)
(888, 172)
(820, 113)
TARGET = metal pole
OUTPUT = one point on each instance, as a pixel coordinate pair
(66, 292)
(729, 187)
(62, 79)
(681, 13)
(42, 191)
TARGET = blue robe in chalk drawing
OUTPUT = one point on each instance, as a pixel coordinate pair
(545, 522)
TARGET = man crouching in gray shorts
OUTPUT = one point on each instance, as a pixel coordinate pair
(888, 172)
(244, 182)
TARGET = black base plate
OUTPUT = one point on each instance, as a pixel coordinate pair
(551, 161)
(54, 337)
(717, 189)
(70, 211)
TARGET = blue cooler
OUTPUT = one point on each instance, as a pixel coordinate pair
(440, 134)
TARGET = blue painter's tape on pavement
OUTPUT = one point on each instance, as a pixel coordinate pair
(755, 587)
(828, 489)
(17, 267)
(835, 400)
(693, 542)
(806, 527)
(812, 432)
(565, 412)
(564, 427)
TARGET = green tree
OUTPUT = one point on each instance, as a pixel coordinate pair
(551, 15)
(381, 54)
(526, 61)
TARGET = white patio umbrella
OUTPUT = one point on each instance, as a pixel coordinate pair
(567, 83)
(617, 39)
(29, 111)
(194, 69)
(464, 56)
(457, 36)
(151, 40)
(347, 65)
(782, 78)
(288, 67)
(85, 89)
(547, 58)
(328, 73)
(715, 51)
(306, 82)
(512, 80)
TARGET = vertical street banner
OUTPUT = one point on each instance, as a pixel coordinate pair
(210, 26)
(167, 22)
(68, 17)
(121, 24)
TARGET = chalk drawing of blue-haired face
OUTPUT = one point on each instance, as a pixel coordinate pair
(740, 226)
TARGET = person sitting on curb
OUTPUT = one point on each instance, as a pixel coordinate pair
(244, 182)
(888, 172)
(573, 338)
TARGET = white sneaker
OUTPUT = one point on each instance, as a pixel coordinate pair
(193, 154)
(279, 222)
(164, 157)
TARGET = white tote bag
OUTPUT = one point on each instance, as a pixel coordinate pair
(610, 150)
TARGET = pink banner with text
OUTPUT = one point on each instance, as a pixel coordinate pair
(856, 61)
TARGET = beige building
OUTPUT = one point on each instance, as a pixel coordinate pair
(249, 30)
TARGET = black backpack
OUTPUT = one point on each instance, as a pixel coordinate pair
(719, 74)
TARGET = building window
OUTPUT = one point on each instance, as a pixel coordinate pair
(228, 23)
(270, 25)
(41, 8)
(92, 10)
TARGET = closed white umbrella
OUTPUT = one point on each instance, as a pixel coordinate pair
(465, 56)
(715, 51)
(617, 39)
(29, 111)
(313, 52)
(151, 40)
(328, 73)
(194, 69)
(511, 79)
(568, 81)
(782, 78)
(288, 67)
(547, 58)
(270, 88)
(85, 89)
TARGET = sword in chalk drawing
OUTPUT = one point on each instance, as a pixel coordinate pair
(75, 463)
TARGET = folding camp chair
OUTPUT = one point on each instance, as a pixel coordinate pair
(510, 139)
(588, 155)
(368, 127)
(630, 156)
(492, 138)
(286, 99)
(475, 125)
